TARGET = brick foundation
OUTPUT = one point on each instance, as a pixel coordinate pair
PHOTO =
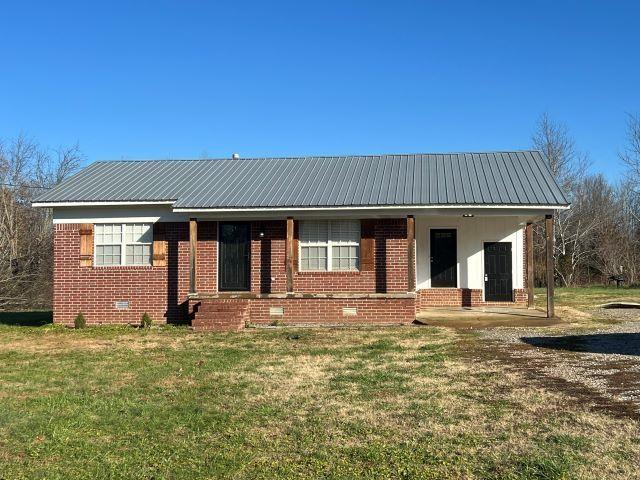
(463, 297)
(330, 310)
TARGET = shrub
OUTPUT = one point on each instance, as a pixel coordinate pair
(80, 321)
(146, 320)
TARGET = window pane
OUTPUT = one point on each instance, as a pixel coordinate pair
(314, 231)
(138, 233)
(138, 254)
(146, 254)
(116, 235)
(129, 254)
(316, 236)
(345, 231)
(108, 233)
(322, 258)
(313, 258)
(108, 255)
(344, 257)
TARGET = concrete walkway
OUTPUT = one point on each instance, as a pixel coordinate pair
(484, 317)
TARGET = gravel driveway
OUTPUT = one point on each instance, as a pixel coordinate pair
(597, 363)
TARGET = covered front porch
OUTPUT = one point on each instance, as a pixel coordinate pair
(399, 268)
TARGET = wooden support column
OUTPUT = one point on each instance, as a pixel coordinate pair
(193, 253)
(411, 254)
(289, 254)
(548, 219)
(528, 245)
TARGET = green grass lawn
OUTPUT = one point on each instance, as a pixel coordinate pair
(588, 297)
(286, 403)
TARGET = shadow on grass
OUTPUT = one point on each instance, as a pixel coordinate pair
(611, 343)
(26, 319)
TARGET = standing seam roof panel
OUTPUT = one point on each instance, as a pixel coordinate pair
(506, 179)
(518, 178)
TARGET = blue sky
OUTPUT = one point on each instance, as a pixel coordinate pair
(186, 79)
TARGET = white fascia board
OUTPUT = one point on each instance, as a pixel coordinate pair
(100, 204)
(389, 207)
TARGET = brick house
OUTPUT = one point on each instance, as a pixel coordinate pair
(375, 239)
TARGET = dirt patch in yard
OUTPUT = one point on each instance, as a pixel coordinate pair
(612, 393)
(597, 366)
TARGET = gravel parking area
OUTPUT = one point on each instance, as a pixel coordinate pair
(597, 363)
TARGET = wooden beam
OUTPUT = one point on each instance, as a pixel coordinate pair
(193, 254)
(289, 254)
(411, 254)
(548, 219)
(528, 245)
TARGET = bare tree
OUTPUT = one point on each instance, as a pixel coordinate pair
(554, 139)
(573, 226)
(630, 156)
(25, 233)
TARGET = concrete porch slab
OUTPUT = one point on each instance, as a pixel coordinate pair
(484, 317)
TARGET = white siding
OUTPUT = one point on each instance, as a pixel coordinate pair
(124, 214)
(471, 235)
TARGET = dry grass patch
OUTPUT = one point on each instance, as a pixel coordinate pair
(288, 403)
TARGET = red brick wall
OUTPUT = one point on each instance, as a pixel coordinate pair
(159, 291)
(268, 272)
(162, 291)
(462, 297)
(329, 310)
(207, 256)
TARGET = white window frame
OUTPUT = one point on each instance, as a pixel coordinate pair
(123, 245)
(329, 245)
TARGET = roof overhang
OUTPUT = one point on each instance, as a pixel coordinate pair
(101, 204)
(370, 208)
(523, 211)
(448, 209)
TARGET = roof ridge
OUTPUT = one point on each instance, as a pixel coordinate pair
(306, 157)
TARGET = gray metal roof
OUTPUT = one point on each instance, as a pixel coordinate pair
(493, 178)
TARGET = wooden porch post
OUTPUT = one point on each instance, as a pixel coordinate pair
(289, 254)
(529, 248)
(411, 254)
(193, 252)
(550, 264)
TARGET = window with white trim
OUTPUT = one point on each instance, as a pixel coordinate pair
(123, 243)
(329, 245)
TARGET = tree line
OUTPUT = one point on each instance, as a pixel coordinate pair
(598, 237)
(26, 234)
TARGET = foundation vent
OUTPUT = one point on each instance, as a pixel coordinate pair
(276, 311)
(349, 311)
(122, 304)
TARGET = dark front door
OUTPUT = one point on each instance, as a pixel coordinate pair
(497, 272)
(234, 256)
(444, 258)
